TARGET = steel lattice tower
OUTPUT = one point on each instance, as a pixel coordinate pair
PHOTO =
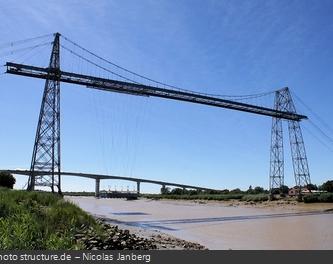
(46, 152)
(276, 179)
(284, 102)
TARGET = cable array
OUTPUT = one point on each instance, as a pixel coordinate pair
(145, 78)
(30, 45)
(324, 131)
(30, 48)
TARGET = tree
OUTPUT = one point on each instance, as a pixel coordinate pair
(258, 189)
(194, 192)
(250, 190)
(165, 190)
(284, 189)
(275, 191)
(177, 191)
(7, 180)
(225, 191)
(311, 187)
(327, 186)
(237, 190)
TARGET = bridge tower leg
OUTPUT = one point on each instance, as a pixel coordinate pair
(300, 161)
(97, 186)
(46, 151)
(138, 187)
(276, 174)
(284, 102)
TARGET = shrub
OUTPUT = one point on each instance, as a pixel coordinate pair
(237, 190)
(327, 186)
(325, 198)
(312, 198)
(284, 189)
(321, 198)
(7, 180)
(258, 190)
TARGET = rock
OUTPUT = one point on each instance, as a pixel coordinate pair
(123, 243)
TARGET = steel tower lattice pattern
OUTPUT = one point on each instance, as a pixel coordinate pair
(284, 102)
(46, 152)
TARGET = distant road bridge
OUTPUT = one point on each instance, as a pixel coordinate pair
(99, 177)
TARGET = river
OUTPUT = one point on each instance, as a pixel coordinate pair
(221, 225)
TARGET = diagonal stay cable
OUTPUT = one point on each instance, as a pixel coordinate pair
(315, 114)
(318, 139)
(27, 48)
(19, 42)
(321, 131)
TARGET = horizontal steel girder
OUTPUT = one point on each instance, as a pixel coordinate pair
(145, 90)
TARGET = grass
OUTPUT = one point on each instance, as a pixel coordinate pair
(37, 220)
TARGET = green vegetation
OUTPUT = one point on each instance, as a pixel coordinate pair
(7, 180)
(258, 194)
(38, 220)
(327, 186)
(212, 196)
(217, 197)
(318, 198)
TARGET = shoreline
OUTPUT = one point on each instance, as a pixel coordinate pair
(197, 224)
(291, 204)
(161, 240)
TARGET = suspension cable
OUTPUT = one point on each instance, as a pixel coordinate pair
(240, 97)
(95, 64)
(118, 66)
(244, 97)
(19, 42)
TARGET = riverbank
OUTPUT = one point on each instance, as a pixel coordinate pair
(36, 220)
(244, 197)
(229, 224)
(45, 221)
(281, 204)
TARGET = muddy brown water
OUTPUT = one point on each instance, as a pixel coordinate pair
(222, 225)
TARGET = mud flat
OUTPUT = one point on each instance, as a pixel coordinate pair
(219, 225)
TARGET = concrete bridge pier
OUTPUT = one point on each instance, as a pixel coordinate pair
(138, 187)
(97, 187)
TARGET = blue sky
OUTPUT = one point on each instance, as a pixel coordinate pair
(223, 47)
